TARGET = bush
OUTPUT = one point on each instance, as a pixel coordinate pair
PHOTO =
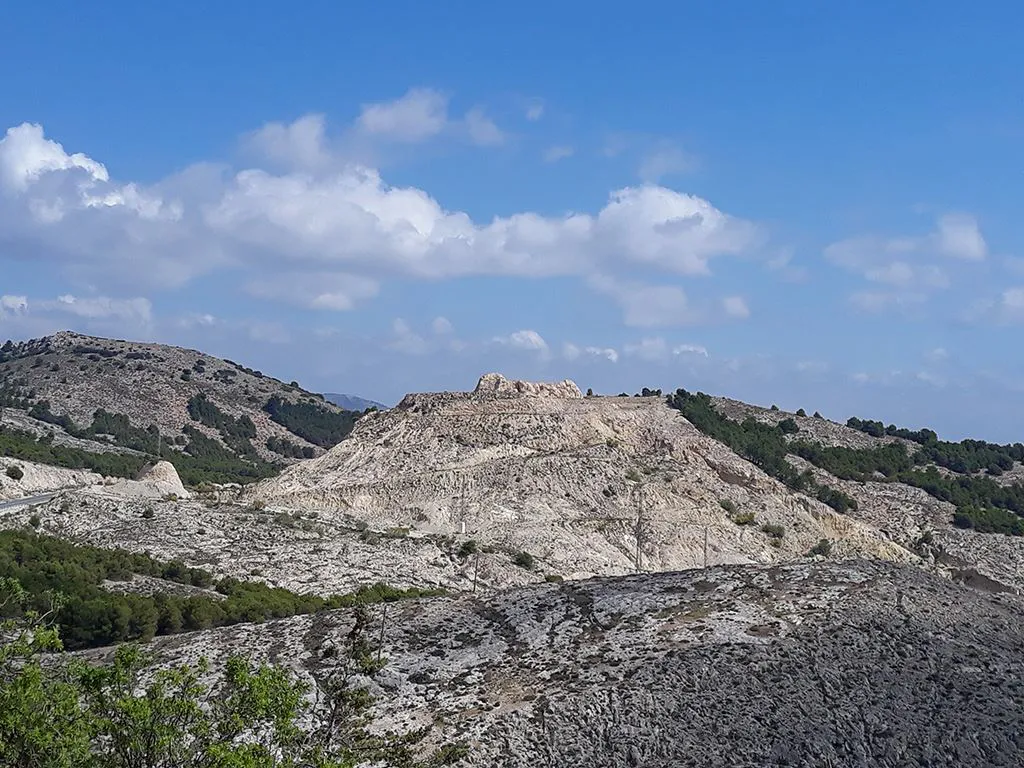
(728, 505)
(801, 412)
(148, 513)
(468, 548)
(634, 476)
(788, 427)
(34, 521)
(553, 578)
(742, 518)
(524, 560)
(774, 530)
(822, 549)
(15, 472)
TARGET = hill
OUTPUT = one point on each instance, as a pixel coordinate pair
(850, 664)
(68, 398)
(352, 402)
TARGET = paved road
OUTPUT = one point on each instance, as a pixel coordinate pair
(26, 501)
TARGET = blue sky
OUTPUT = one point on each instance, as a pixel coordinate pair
(813, 204)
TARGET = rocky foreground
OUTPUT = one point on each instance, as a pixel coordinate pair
(814, 664)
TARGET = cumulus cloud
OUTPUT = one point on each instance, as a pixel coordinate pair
(416, 116)
(650, 350)
(526, 340)
(325, 234)
(535, 110)
(16, 305)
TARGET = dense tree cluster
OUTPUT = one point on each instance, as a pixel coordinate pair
(763, 444)
(58, 711)
(27, 447)
(203, 410)
(965, 457)
(311, 421)
(981, 503)
(285, 447)
(92, 616)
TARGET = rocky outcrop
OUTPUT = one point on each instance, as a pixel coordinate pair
(587, 486)
(853, 664)
(496, 384)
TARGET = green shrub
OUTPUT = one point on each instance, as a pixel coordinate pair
(634, 476)
(801, 412)
(148, 513)
(742, 518)
(774, 530)
(822, 549)
(553, 578)
(468, 548)
(728, 505)
(34, 521)
(15, 472)
(524, 560)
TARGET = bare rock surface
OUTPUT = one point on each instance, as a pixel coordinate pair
(587, 486)
(40, 478)
(862, 663)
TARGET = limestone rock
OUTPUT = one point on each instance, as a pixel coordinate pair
(496, 384)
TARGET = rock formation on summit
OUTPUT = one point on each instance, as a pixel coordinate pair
(497, 384)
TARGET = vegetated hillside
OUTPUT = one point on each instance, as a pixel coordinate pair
(68, 397)
(352, 402)
(942, 499)
(815, 664)
(572, 486)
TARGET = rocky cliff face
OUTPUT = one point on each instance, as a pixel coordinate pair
(852, 664)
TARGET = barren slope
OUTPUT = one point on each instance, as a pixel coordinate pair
(585, 485)
(853, 664)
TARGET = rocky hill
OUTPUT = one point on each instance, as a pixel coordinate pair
(212, 418)
(573, 486)
(852, 664)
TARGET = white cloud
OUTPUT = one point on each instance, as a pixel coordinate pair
(527, 340)
(315, 290)
(300, 144)
(324, 233)
(937, 355)
(664, 160)
(14, 304)
(646, 306)
(736, 306)
(418, 115)
(572, 352)
(558, 152)
(482, 130)
(535, 110)
(651, 350)
(690, 349)
(960, 237)
(441, 326)
(26, 156)
(100, 307)
(406, 340)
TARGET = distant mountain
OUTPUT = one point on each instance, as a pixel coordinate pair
(213, 419)
(352, 403)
